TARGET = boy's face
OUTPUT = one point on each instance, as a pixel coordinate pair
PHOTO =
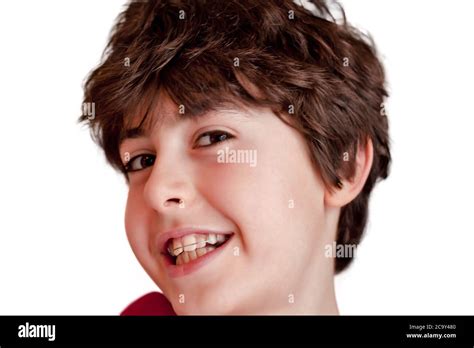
(273, 203)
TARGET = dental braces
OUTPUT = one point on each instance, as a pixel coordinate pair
(171, 250)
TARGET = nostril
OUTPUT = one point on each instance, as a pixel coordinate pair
(173, 200)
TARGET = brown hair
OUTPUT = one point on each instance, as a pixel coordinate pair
(318, 70)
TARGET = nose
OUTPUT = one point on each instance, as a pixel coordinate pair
(169, 187)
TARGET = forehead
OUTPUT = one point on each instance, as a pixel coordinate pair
(152, 113)
(151, 109)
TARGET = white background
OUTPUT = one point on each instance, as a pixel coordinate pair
(63, 248)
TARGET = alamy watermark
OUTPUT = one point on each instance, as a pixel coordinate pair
(227, 155)
(88, 110)
(28, 330)
(340, 250)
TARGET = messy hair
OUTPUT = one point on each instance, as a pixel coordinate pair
(315, 71)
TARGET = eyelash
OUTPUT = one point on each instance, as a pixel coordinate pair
(148, 156)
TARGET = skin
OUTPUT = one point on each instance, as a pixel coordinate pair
(280, 211)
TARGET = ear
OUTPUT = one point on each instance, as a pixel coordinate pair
(351, 187)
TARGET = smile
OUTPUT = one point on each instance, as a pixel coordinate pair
(190, 247)
(185, 250)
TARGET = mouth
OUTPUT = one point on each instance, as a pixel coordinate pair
(191, 248)
(187, 249)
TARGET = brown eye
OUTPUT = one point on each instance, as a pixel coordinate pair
(140, 162)
(210, 138)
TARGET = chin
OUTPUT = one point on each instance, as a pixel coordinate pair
(207, 305)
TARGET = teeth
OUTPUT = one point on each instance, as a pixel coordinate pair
(188, 256)
(192, 255)
(212, 239)
(185, 257)
(189, 242)
(201, 241)
(192, 246)
(201, 251)
(177, 247)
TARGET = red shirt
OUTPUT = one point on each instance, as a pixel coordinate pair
(153, 303)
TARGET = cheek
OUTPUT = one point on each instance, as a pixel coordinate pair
(278, 210)
(136, 226)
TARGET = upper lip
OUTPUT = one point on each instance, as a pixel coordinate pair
(163, 238)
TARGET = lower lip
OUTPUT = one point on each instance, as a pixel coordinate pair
(175, 271)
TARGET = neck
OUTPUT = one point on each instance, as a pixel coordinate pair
(311, 301)
(315, 294)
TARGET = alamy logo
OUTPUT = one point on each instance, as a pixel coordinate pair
(88, 110)
(227, 155)
(31, 330)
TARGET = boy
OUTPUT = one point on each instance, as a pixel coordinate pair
(251, 134)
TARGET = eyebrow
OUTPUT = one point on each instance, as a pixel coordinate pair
(133, 133)
(139, 132)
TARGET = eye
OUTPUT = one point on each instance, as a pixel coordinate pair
(140, 162)
(212, 137)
